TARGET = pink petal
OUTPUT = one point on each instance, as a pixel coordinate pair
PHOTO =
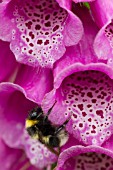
(102, 11)
(32, 46)
(103, 44)
(77, 93)
(89, 105)
(35, 81)
(8, 64)
(85, 158)
(14, 108)
(13, 159)
(38, 154)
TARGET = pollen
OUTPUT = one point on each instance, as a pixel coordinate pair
(30, 123)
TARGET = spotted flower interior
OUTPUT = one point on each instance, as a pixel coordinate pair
(87, 98)
(93, 161)
(40, 25)
(38, 30)
(59, 58)
(38, 154)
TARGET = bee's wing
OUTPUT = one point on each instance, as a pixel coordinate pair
(63, 136)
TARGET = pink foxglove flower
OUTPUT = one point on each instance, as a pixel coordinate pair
(39, 31)
(87, 157)
(83, 89)
(14, 108)
(25, 90)
(50, 34)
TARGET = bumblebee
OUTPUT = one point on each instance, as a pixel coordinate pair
(40, 127)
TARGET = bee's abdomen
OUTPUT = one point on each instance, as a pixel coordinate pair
(54, 141)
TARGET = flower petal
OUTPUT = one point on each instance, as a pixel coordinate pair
(38, 154)
(98, 10)
(13, 159)
(87, 158)
(77, 94)
(8, 64)
(38, 30)
(35, 81)
(103, 44)
(13, 113)
(81, 53)
(14, 108)
(86, 96)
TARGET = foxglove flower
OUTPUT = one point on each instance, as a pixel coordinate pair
(83, 91)
(34, 82)
(39, 31)
(27, 86)
(14, 108)
(102, 12)
(87, 157)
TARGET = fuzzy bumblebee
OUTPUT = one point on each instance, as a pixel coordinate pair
(40, 127)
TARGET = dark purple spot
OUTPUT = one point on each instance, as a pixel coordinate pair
(47, 33)
(46, 42)
(100, 113)
(93, 126)
(84, 114)
(89, 94)
(75, 116)
(95, 81)
(28, 25)
(36, 15)
(102, 103)
(80, 106)
(94, 100)
(37, 27)
(44, 4)
(30, 51)
(39, 42)
(47, 17)
(93, 131)
(55, 28)
(27, 39)
(31, 44)
(38, 6)
(89, 120)
(89, 105)
(103, 93)
(31, 35)
(79, 78)
(96, 91)
(48, 24)
(99, 96)
(55, 13)
(80, 125)
(93, 88)
(82, 94)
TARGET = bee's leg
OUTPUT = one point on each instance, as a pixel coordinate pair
(49, 111)
(61, 127)
(59, 150)
(53, 150)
